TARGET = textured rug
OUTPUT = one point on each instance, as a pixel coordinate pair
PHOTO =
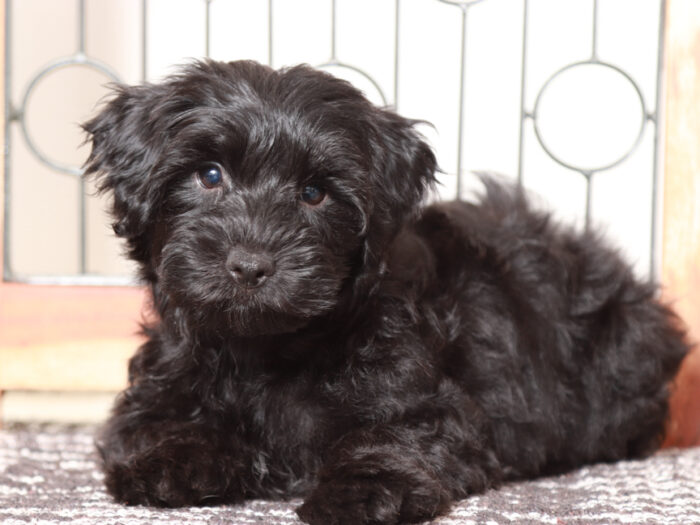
(50, 475)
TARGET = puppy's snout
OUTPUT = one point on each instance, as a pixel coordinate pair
(249, 268)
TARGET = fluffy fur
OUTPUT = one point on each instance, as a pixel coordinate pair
(394, 358)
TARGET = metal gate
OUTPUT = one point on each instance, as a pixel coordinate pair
(534, 144)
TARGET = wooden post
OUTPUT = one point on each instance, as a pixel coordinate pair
(681, 217)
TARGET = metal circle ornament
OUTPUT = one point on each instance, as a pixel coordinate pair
(79, 60)
(589, 116)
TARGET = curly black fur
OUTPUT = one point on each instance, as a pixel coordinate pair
(394, 358)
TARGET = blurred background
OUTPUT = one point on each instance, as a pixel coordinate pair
(567, 97)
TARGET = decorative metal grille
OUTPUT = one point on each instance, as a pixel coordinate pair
(17, 104)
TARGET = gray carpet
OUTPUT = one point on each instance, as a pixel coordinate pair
(49, 475)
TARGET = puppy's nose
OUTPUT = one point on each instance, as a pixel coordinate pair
(249, 268)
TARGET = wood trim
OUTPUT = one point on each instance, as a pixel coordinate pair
(92, 366)
(67, 338)
(38, 315)
(681, 219)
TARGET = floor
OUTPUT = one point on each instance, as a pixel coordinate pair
(49, 474)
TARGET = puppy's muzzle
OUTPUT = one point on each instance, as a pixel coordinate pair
(249, 268)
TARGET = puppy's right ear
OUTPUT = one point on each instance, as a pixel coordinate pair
(126, 145)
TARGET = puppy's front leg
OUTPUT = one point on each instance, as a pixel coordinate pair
(404, 472)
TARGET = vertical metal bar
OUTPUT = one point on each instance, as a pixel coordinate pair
(396, 52)
(83, 226)
(523, 77)
(144, 37)
(589, 194)
(82, 218)
(462, 74)
(333, 31)
(81, 27)
(594, 44)
(207, 28)
(654, 259)
(589, 175)
(9, 117)
(269, 34)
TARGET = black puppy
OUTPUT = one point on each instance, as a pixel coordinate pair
(318, 334)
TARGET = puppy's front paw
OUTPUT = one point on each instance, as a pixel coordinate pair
(152, 481)
(346, 503)
(369, 502)
(174, 474)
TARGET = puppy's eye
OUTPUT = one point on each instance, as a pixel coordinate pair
(210, 176)
(313, 195)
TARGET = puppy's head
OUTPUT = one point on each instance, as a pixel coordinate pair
(254, 199)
